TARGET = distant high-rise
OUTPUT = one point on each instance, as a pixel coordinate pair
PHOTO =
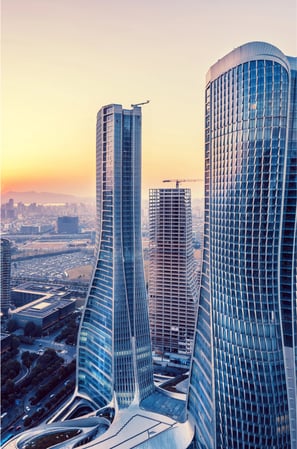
(67, 225)
(8, 211)
(243, 376)
(114, 352)
(173, 286)
(5, 293)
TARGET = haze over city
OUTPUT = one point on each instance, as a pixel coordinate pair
(62, 60)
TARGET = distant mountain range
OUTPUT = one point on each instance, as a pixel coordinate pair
(51, 197)
(44, 197)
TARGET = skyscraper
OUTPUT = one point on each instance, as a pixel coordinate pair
(243, 377)
(114, 353)
(173, 282)
(5, 292)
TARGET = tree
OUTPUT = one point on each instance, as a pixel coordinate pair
(12, 325)
(9, 386)
(15, 342)
(30, 329)
(28, 358)
(9, 370)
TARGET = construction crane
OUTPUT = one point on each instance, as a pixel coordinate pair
(139, 104)
(178, 181)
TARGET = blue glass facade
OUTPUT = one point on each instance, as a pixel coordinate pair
(243, 377)
(114, 354)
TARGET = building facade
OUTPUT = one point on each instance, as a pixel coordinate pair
(243, 377)
(44, 312)
(114, 348)
(5, 291)
(67, 225)
(173, 281)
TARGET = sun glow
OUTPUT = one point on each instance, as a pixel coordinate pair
(62, 61)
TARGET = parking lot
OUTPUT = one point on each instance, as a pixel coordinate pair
(53, 268)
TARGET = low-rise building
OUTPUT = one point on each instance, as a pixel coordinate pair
(47, 310)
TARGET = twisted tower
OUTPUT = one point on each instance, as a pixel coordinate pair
(114, 354)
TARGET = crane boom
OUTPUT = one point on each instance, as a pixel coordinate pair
(140, 104)
(178, 181)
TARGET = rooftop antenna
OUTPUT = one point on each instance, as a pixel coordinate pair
(140, 104)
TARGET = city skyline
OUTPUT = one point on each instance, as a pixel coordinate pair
(242, 379)
(115, 393)
(62, 60)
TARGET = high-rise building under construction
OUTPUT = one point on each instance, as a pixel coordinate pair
(173, 280)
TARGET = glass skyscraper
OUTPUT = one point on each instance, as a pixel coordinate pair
(114, 348)
(173, 281)
(242, 392)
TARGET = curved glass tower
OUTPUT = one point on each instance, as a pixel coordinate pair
(242, 390)
(114, 354)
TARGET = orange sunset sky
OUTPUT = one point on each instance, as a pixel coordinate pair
(64, 59)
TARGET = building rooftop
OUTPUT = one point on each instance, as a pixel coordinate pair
(43, 306)
(172, 405)
(134, 427)
(41, 288)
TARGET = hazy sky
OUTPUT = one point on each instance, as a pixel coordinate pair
(64, 59)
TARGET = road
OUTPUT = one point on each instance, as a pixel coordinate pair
(13, 422)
